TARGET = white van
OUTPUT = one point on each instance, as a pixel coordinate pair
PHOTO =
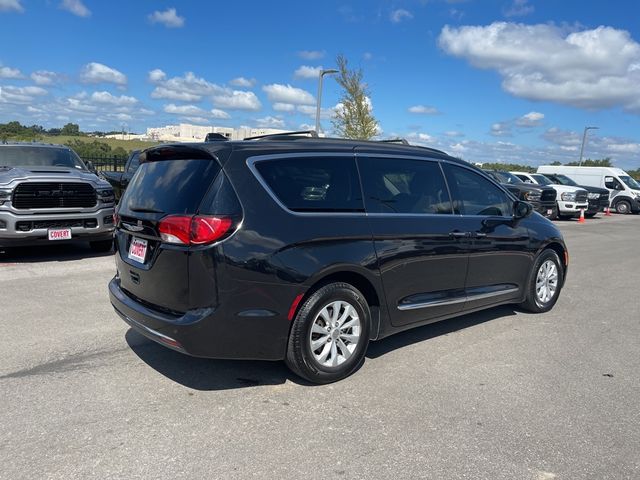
(625, 191)
(571, 200)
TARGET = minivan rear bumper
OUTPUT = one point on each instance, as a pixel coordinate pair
(206, 332)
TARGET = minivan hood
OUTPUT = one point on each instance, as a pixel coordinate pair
(48, 174)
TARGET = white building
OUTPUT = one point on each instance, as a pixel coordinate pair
(185, 132)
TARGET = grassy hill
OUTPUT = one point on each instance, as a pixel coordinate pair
(127, 145)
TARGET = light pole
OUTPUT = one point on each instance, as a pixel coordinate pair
(584, 137)
(320, 75)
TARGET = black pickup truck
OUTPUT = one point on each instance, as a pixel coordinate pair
(120, 179)
(543, 199)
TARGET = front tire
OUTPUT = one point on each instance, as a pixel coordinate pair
(545, 283)
(623, 207)
(330, 334)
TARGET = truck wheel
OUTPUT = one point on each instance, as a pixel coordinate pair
(545, 283)
(623, 207)
(330, 334)
(101, 246)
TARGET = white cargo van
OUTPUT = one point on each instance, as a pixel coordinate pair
(625, 191)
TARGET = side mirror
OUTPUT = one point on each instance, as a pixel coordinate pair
(521, 209)
(90, 166)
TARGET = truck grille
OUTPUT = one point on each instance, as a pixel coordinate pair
(54, 195)
(581, 196)
(26, 226)
(604, 199)
(548, 195)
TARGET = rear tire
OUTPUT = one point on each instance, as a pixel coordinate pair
(623, 207)
(545, 283)
(101, 246)
(330, 334)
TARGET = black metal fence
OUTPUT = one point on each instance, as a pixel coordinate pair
(106, 163)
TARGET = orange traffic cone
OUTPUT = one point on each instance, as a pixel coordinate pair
(581, 219)
(607, 212)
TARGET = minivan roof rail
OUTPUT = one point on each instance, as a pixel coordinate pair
(402, 141)
(311, 133)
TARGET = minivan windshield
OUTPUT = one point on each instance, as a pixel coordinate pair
(541, 179)
(630, 182)
(28, 156)
(564, 180)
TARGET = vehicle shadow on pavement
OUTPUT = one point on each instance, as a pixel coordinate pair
(207, 374)
(437, 329)
(49, 253)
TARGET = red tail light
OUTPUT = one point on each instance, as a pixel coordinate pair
(193, 230)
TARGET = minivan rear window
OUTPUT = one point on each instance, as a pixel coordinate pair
(314, 184)
(169, 186)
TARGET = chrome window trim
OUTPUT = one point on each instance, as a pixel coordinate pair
(251, 163)
(453, 301)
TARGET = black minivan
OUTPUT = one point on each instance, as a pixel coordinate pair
(305, 249)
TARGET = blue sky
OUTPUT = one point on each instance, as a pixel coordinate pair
(487, 80)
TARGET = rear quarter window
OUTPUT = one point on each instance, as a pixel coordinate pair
(313, 184)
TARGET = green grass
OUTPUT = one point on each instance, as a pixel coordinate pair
(128, 145)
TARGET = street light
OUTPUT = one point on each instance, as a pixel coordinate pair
(320, 75)
(584, 137)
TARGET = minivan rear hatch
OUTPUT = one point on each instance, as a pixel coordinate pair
(167, 225)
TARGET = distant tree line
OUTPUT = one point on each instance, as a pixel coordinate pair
(83, 146)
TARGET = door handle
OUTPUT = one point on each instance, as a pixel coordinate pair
(459, 234)
(479, 235)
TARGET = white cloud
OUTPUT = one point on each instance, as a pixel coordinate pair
(220, 114)
(11, 94)
(367, 56)
(270, 122)
(169, 18)
(423, 110)
(200, 120)
(237, 100)
(8, 72)
(243, 82)
(11, 6)
(98, 73)
(156, 76)
(399, 15)
(76, 7)
(594, 69)
(501, 129)
(184, 110)
(311, 54)
(307, 72)
(108, 98)
(519, 8)
(531, 119)
(453, 133)
(283, 107)
(188, 88)
(44, 77)
(277, 93)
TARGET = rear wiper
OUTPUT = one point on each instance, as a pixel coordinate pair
(145, 210)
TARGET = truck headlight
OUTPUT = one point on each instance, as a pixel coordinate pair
(532, 196)
(4, 196)
(593, 196)
(568, 196)
(106, 195)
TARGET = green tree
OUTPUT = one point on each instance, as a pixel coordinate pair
(71, 129)
(509, 167)
(603, 162)
(354, 118)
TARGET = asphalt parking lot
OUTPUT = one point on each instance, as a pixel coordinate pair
(494, 395)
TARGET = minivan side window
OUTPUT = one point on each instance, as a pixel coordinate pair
(398, 185)
(314, 184)
(473, 194)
